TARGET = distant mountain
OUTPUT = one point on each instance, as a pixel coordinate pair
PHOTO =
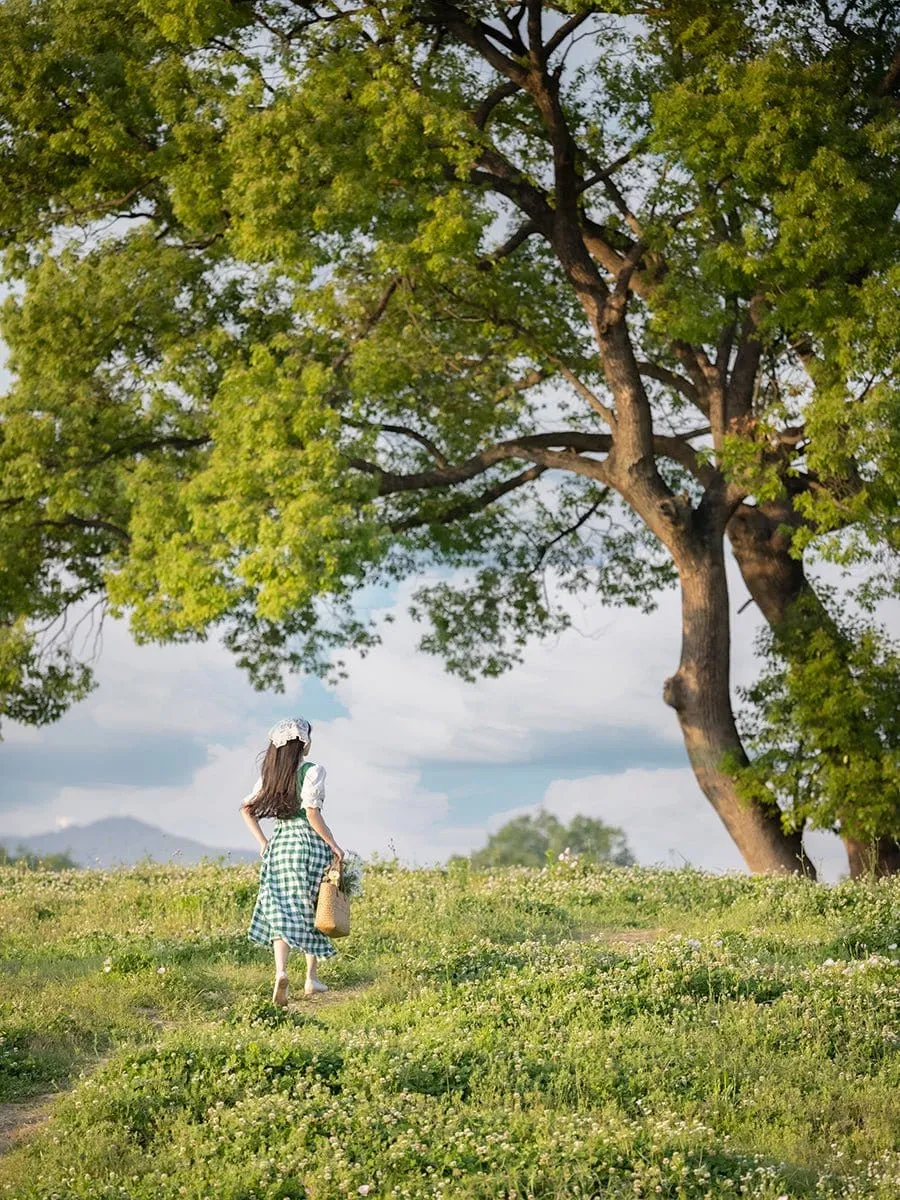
(120, 841)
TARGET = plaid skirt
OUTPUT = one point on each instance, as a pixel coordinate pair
(292, 867)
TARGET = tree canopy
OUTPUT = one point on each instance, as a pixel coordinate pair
(533, 841)
(544, 298)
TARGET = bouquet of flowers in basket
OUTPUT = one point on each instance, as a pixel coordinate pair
(352, 874)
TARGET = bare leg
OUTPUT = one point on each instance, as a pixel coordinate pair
(313, 983)
(282, 950)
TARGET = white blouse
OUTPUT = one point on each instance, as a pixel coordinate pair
(312, 792)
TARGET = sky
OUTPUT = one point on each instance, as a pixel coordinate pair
(419, 763)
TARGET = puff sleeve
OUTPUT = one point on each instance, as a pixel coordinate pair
(252, 796)
(312, 792)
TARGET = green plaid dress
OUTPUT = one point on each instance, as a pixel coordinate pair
(292, 867)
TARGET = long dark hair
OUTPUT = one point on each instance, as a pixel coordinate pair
(278, 796)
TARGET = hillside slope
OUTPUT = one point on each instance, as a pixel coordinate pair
(522, 1034)
(121, 841)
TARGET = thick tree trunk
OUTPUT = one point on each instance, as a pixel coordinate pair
(879, 857)
(775, 581)
(699, 692)
(773, 578)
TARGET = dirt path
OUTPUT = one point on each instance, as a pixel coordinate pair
(631, 936)
(300, 1002)
(21, 1118)
(621, 937)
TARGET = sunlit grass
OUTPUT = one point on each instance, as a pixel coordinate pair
(522, 1033)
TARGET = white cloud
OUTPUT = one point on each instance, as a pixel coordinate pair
(186, 689)
(667, 819)
(404, 710)
(607, 672)
(183, 689)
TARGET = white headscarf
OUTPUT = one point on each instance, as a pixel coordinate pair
(293, 727)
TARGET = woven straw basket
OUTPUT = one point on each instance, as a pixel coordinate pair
(333, 907)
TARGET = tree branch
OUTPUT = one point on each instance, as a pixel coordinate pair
(563, 32)
(742, 383)
(478, 36)
(670, 378)
(537, 54)
(601, 249)
(537, 448)
(544, 550)
(604, 175)
(433, 449)
(70, 520)
(476, 504)
(585, 392)
(498, 172)
(627, 269)
(174, 442)
(512, 25)
(544, 89)
(680, 450)
(482, 114)
(510, 246)
(689, 358)
(892, 77)
(532, 447)
(368, 325)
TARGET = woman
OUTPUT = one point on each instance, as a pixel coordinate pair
(291, 789)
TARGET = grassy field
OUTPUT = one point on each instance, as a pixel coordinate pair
(567, 1033)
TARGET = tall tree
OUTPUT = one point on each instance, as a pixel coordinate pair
(308, 297)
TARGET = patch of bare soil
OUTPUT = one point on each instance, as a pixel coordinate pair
(332, 996)
(19, 1119)
(629, 937)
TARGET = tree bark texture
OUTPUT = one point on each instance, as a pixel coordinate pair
(699, 692)
(773, 578)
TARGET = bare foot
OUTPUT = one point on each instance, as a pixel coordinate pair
(315, 985)
(280, 994)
